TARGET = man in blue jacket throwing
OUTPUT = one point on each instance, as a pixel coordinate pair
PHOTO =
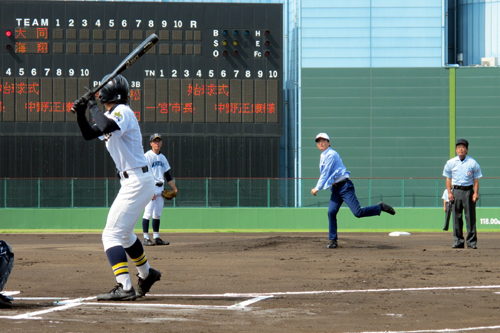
(334, 176)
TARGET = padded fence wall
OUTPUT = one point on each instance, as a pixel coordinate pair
(242, 219)
(394, 122)
(478, 115)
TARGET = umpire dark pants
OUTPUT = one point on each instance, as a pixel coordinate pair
(344, 191)
(463, 203)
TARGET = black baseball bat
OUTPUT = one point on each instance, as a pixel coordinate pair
(138, 52)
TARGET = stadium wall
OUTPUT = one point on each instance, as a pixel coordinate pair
(399, 122)
(240, 219)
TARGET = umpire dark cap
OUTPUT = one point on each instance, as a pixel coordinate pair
(463, 142)
(154, 136)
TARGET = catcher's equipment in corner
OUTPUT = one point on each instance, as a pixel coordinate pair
(169, 195)
(6, 262)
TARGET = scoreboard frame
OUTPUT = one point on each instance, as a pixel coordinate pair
(217, 69)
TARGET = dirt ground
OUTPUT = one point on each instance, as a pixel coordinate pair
(260, 282)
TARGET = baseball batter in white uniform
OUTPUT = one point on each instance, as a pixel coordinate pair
(119, 129)
(158, 164)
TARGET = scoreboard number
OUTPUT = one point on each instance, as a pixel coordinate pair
(215, 63)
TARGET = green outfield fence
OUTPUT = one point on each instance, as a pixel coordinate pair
(235, 192)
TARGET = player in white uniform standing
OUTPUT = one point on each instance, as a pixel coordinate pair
(159, 166)
(119, 128)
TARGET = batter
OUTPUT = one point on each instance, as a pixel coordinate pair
(119, 129)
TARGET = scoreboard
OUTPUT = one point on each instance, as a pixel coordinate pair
(216, 70)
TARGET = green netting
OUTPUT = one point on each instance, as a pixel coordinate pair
(234, 192)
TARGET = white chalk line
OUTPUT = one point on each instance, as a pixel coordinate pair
(440, 330)
(256, 297)
(71, 303)
(338, 291)
(250, 301)
(33, 315)
(235, 295)
(317, 292)
(150, 305)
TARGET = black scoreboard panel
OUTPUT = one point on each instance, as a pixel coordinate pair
(216, 70)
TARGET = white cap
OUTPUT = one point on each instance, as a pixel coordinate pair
(322, 136)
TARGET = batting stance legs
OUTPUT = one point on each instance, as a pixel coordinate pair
(345, 192)
(119, 239)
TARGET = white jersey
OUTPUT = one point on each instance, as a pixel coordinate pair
(158, 165)
(125, 145)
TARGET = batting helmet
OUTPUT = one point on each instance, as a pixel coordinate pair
(116, 90)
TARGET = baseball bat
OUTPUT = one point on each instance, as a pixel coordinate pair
(138, 52)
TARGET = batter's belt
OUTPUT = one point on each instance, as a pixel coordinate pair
(124, 174)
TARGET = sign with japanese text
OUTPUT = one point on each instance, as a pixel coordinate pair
(214, 63)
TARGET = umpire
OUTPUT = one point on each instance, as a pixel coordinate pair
(462, 182)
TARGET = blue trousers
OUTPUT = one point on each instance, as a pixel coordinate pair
(345, 192)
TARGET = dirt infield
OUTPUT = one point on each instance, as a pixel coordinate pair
(260, 282)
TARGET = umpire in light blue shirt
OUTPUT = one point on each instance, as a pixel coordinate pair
(462, 182)
(335, 177)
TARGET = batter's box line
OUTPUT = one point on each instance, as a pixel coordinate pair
(237, 306)
(255, 297)
(34, 315)
(71, 303)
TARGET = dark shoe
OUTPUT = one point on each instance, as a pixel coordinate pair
(118, 294)
(472, 246)
(159, 241)
(5, 302)
(148, 242)
(333, 244)
(144, 285)
(386, 208)
(458, 246)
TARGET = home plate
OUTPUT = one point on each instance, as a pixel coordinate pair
(399, 233)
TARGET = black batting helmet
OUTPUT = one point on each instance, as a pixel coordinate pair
(116, 90)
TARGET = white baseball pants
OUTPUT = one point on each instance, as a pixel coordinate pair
(135, 193)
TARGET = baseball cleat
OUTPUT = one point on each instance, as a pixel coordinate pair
(159, 241)
(5, 302)
(145, 284)
(386, 208)
(118, 294)
(458, 246)
(333, 244)
(148, 242)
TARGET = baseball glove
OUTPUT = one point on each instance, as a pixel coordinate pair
(169, 195)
